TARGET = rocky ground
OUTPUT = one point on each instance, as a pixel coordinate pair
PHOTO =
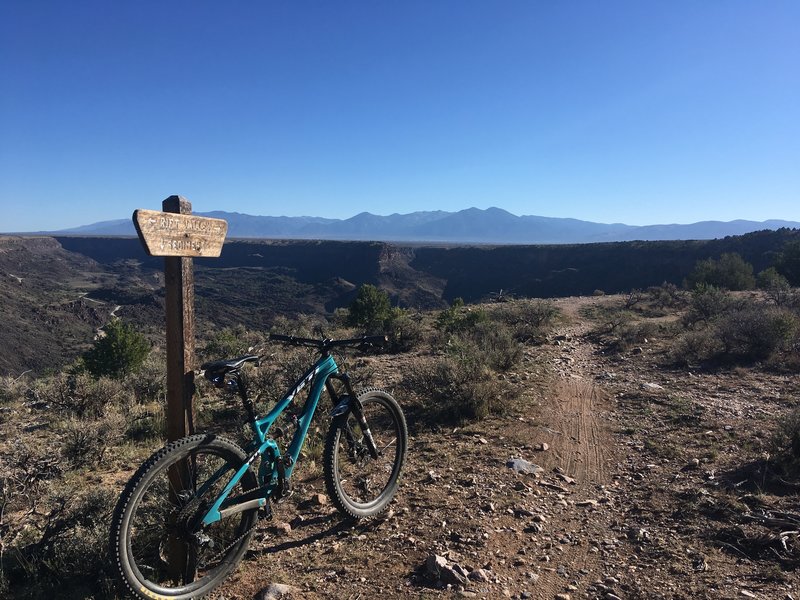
(615, 477)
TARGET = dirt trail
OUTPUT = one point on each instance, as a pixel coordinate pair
(576, 426)
(586, 441)
(578, 408)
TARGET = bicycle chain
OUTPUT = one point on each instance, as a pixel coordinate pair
(222, 553)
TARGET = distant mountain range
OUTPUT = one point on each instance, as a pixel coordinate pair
(470, 226)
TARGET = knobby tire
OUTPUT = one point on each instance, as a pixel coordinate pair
(153, 520)
(359, 485)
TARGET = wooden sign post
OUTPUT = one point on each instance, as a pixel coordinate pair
(178, 236)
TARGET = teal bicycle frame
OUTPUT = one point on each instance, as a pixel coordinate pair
(272, 462)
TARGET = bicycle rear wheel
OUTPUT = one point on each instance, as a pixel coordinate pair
(157, 542)
(358, 484)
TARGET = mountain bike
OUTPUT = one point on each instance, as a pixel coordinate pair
(185, 519)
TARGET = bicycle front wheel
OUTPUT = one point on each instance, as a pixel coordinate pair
(157, 540)
(358, 484)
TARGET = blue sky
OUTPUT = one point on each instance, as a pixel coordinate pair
(609, 111)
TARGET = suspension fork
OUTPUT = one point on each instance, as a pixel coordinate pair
(354, 406)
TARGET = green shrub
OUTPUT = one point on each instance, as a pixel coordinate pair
(529, 320)
(80, 395)
(634, 333)
(85, 442)
(22, 469)
(120, 351)
(149, 383)
(12, 388)
(667, 295)
(145, 424)
(610, 320)
(746, 332)
(776, 287)
(755, 332)
(493, 345)
(454, 390)
(769, 278)
(231, 342)
(459, 318)
(730, 272)
(708, 302)
(64, 545)
(634, 298)
(404, 330)
(787, 434)
(370, 310)
(696, 346)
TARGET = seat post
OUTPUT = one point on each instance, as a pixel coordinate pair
(242, 389)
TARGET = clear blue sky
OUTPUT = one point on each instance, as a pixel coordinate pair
(610, 111)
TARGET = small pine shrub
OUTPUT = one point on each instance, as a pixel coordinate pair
(120, 351)
(372, 313)
(370, 310)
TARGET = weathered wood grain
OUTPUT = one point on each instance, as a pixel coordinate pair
(175, 234)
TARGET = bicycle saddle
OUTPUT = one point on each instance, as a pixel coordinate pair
(220, 367)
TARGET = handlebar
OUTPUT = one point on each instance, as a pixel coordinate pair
(325, 345)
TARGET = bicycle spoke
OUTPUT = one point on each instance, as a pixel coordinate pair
(358, 479)
(166, 546)
(394, 441)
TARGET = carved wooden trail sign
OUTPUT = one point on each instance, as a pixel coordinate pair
(173, 234)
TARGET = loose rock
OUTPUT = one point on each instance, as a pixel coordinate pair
(279, 591)
(520, 465)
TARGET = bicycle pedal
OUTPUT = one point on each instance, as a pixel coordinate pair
(265, 512)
